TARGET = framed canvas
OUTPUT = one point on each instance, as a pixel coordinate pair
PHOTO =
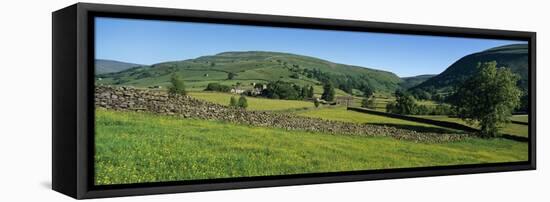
(156, 100)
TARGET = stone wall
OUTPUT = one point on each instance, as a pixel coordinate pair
(131, 99)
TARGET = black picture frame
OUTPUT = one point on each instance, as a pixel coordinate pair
(73, 108)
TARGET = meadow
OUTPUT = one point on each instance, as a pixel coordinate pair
(342, 114)
(507, 128)
(136, 147)
(259, 104)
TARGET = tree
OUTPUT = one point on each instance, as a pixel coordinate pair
(487, 98)
(316, 103)
(346, 87)
(310, 92)
(295, 76)
(367, 102)
(367, 91)
(242, 102)
(177, 87)
(399, 93)
(281, 90)
(303, 92)
(217, 87)
(405, 104)
(328, 92)
(231, 75)
(233, 102)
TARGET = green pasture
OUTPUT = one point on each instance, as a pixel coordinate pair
(342, 114)
(508, 128)
(262, 104)
(132, 147)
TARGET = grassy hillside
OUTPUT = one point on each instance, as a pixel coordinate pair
(111, 66)
(514, 57)
(409, 82)
(249, 67)
(136, 147)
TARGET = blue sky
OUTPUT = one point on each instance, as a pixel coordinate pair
(151, 41)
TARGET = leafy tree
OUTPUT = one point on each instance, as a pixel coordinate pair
(367, 102)
(328, 92)
(404, 104)
(177, 87)
(231, 75)
(242, 102)
(399, 93)
(488, 97)
(303, 92)
(310, 92)
(295, 76)
(233, 102)
(217, 87)
(281, 90)
(367, 91)
(347, 87)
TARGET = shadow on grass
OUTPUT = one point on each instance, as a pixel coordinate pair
(421, 129)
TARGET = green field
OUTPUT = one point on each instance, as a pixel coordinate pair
(342, 114)
(380, 102)
(262, 104)
(508, 128)
(521, 118)
(134, 147)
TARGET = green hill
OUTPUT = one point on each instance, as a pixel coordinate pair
(110, 66)
(514, 57)
(253, 67)
(409, 82)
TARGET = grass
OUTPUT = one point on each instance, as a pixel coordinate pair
(509, 128)
(262, 104)
(521, 118)
(136, 147)
(342, 114)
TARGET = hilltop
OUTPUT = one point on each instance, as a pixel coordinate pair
(110, 66)
(254, 67)
(513, 56)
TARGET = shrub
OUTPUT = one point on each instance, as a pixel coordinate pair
(217, 87)
(177, 87)
(242, 102)
(367, 103)
(233, 102)
(328, 92)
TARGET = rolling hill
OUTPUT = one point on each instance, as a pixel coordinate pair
(111, 66)
(513, 56)
(250, 67)
(412, 81)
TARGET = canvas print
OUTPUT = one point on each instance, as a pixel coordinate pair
(189, 101)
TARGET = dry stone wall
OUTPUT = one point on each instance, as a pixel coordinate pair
(132, 99)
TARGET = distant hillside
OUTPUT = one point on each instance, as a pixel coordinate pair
(514, 57)
(110, 66)
(253, 66)
(409, 82)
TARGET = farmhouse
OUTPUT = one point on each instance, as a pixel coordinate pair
(237, 90)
